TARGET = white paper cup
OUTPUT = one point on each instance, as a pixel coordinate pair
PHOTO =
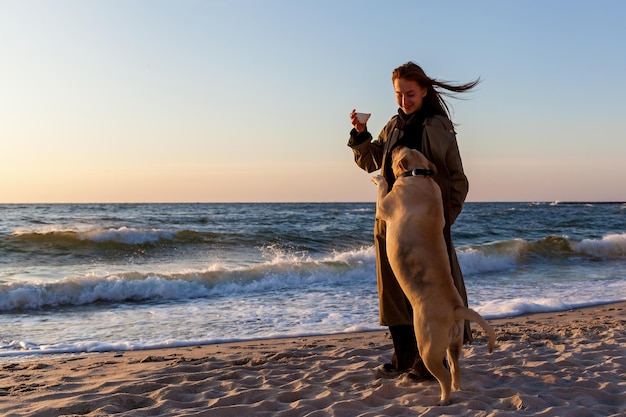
(363, 117)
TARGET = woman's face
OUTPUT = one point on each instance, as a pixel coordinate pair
(409, 95)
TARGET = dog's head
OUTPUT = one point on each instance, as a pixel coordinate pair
(405, 159)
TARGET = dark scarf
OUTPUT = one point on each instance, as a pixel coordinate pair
(412, 126)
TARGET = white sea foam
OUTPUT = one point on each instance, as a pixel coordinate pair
(611, 246)
(473, 261)
(519, 306)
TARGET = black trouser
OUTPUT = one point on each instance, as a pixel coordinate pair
(404, 346)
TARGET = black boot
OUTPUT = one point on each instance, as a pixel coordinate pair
(405, 352)
(419, 372)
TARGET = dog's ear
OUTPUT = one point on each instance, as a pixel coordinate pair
(402, 164)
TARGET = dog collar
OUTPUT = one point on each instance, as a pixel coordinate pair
(417, 172)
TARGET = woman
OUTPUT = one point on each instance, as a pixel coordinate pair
(422, 123)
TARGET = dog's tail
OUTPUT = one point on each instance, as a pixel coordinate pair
(464, 313)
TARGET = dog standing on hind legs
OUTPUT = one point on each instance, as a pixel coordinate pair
(413, 211)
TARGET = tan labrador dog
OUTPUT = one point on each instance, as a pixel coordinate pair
(413, 211)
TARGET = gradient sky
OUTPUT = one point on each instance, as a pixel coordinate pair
(227, 101)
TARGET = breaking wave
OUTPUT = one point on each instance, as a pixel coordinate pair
(283, 270)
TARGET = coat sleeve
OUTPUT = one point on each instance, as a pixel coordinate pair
(368, 154)
(459, 185)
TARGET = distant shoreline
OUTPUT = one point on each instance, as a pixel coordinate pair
(555, 202)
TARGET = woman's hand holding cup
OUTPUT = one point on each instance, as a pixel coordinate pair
(359, 120)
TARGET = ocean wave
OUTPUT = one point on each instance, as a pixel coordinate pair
(120, 235)
(506, 255)
(281, 272)
(610, 246)
(519, 306)
(285, 269)
(49, 239)
(474, 261)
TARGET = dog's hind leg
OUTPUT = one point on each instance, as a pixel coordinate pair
(454, 352)
(432, 355)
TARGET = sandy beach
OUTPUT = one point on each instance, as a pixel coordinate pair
(553, 364)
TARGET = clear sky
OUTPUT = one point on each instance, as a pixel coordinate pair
(235, 100)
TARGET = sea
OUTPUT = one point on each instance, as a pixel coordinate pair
(80, 278)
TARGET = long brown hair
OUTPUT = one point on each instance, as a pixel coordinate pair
(434, 102)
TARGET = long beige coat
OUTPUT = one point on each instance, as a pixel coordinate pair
(439, 145)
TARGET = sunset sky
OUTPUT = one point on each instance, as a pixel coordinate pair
(228, 101)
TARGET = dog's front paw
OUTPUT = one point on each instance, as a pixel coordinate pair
(379, 180)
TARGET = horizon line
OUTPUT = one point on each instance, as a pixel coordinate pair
(311, 202)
